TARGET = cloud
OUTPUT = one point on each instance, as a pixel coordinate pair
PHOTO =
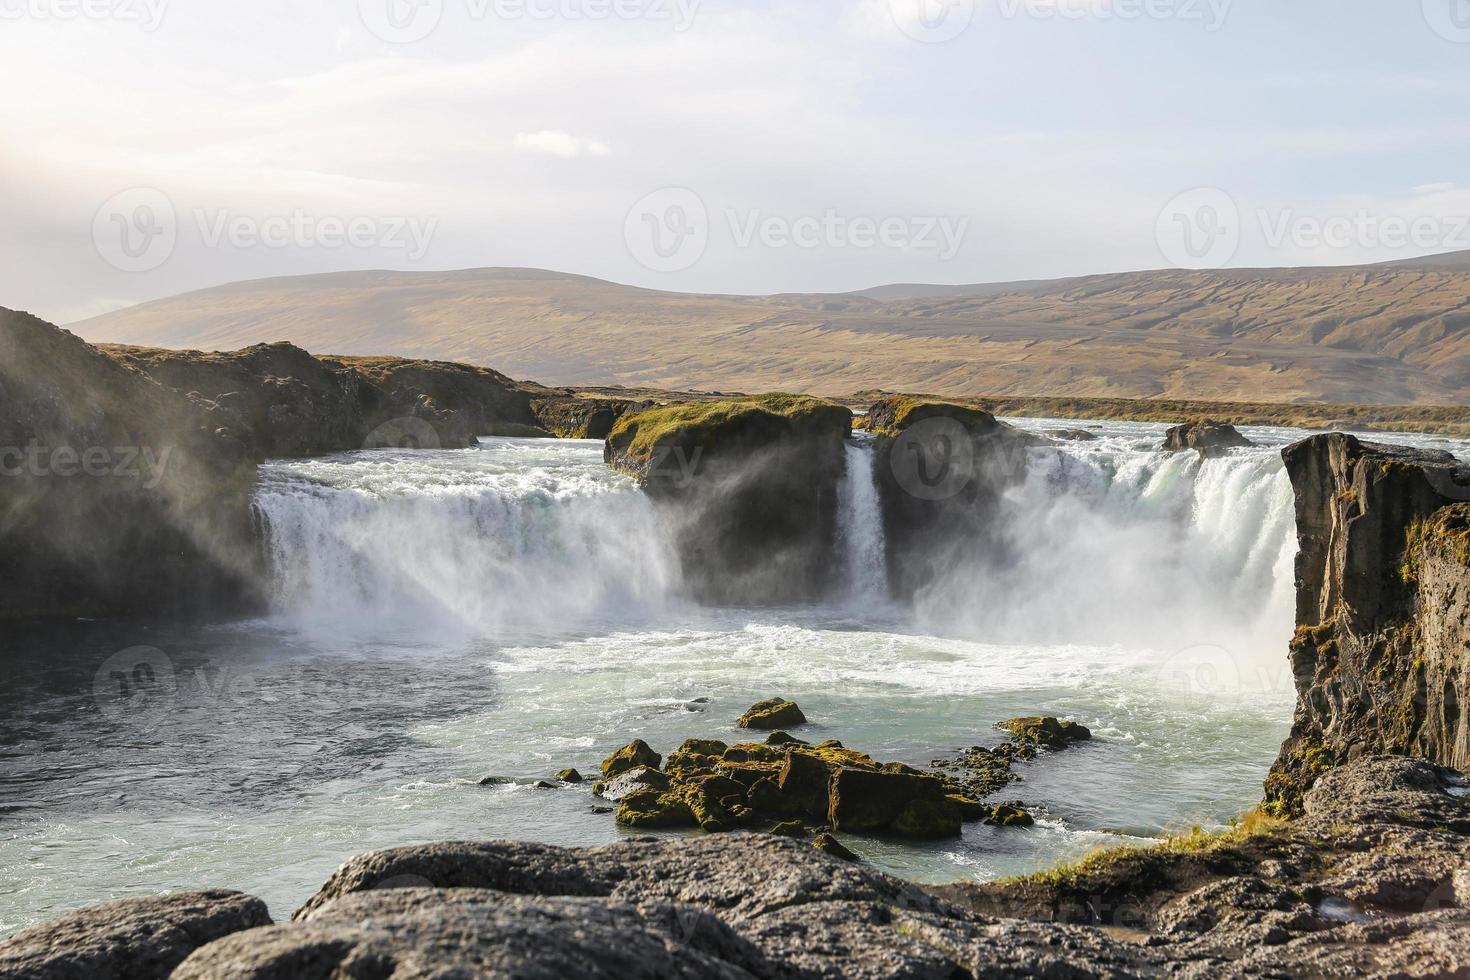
(559, 143)
(1439, 188)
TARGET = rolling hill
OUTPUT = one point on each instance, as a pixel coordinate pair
(1388, 334)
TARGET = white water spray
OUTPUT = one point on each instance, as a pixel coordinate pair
(860, 527)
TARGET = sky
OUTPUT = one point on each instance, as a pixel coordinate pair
(151, 147)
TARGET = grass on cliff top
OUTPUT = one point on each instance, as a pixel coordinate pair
(1255, 823)
(904, 407)
(1436, 420)
(638, 433)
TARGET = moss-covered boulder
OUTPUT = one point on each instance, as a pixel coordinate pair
(750, 487)
(941, 468)
(773, 713)
(907, 803)
(1009, 815)
(639, 777)
(1045, 732)
(655, 809)
(569, 776)
(1209, 437)
(635, 753)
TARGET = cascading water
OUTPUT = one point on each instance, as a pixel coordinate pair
(1108, 543)
(521, 537)
(860, 527)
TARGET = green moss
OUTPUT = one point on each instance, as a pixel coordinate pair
(893, 415)
(638, 435)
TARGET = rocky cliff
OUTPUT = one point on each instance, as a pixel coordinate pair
(118, 496)
(1381, 656)
(940, 468)
(283, 402)
(751, 487)
(1371, 883)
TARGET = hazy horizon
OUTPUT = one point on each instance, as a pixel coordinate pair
(714, 146)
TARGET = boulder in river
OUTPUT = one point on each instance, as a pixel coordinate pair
(635, 753)
(773, 713)
(1207, 436)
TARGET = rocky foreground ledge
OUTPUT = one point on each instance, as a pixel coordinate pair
(1374, 880)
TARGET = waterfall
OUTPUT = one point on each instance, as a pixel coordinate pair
(515, 538)
(1108, 543)
(860, 527)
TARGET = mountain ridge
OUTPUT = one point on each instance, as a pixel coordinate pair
(1396, 333)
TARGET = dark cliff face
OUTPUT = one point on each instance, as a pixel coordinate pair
(117, 495)
(750, 487)
(940, 470)
(283, 402)
(1381, 656)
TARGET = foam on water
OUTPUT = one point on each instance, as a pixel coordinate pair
(517, 609)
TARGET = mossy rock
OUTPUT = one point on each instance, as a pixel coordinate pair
(635, 753)
(569, 776)
(773, 713)
(625, 784)
(891, 416)
(1010, 815)
(783, 738)
(653, 809)
(828, 844)
(969, 809)
(1045, 732)
(928, 819)
(863, 801)
(638, 440)
(790, 828)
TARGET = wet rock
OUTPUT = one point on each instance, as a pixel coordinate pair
(783, 738)
(1073, 435)
(1045, 732)
(777, 713)
(635, 753)
(655, 809)
(1009, 815)
(569, 776)
(131, 939)
(790, 828)
(630, 782)
(828, 844)
(896, 802)
(1208, 437)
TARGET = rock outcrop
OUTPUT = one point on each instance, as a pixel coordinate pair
(1381, 657)
(940, 469)
(750, 486)
(131, 939)
(1208, 437)
(569, 416)
(283, 402)
(1373, 881)
(118, 497)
